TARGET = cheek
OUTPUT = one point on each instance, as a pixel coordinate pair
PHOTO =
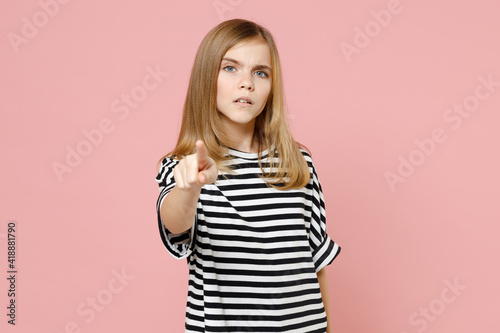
(221, 89)
(218, 86)
(219, 98)
(266, 92)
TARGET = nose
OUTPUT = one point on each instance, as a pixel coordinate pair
(246, 82)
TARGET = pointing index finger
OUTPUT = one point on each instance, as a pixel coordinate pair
(201, 153)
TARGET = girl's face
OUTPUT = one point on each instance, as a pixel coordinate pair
(245, 73)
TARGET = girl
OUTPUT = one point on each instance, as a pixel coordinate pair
(240, 199)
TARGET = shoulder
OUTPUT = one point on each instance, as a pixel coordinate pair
(165, 167)
(305, 153)
(165, 161)
(307, 156)
(312, 169)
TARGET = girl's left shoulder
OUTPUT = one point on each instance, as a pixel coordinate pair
(307, 155)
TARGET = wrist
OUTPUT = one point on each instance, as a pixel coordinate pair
(189, 193)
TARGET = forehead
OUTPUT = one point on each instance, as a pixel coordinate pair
(253, 51)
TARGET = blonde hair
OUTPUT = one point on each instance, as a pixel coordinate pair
(201, 120)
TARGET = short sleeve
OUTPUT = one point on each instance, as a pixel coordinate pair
(324, 249)
(178, 245)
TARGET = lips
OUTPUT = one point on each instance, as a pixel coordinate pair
(244, 100)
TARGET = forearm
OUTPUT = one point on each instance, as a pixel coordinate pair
(179, 209)
(323, 284)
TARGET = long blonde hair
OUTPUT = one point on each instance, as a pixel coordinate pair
(201, 119)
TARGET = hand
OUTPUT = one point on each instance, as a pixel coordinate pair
(196, 170)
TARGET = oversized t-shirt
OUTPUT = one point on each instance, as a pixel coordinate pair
(253, 251)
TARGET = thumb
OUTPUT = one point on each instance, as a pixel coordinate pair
(209, 175)
(202, 177)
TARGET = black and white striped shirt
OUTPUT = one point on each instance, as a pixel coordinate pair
(253, 251)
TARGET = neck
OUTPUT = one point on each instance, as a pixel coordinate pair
(242, 138)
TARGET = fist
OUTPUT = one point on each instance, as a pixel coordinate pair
(196, 170)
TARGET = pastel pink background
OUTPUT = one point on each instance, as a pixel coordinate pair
(357, 117)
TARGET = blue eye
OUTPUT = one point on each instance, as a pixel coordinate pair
(225, 68)
(264, 74)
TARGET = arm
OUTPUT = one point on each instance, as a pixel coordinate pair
(323, 285)
(179, 206)
(178, 209)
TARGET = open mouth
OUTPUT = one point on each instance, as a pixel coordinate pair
(243, 100)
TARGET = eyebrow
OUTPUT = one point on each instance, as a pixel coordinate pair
(256, 66)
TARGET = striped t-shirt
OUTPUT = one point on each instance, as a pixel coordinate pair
(253, 251)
